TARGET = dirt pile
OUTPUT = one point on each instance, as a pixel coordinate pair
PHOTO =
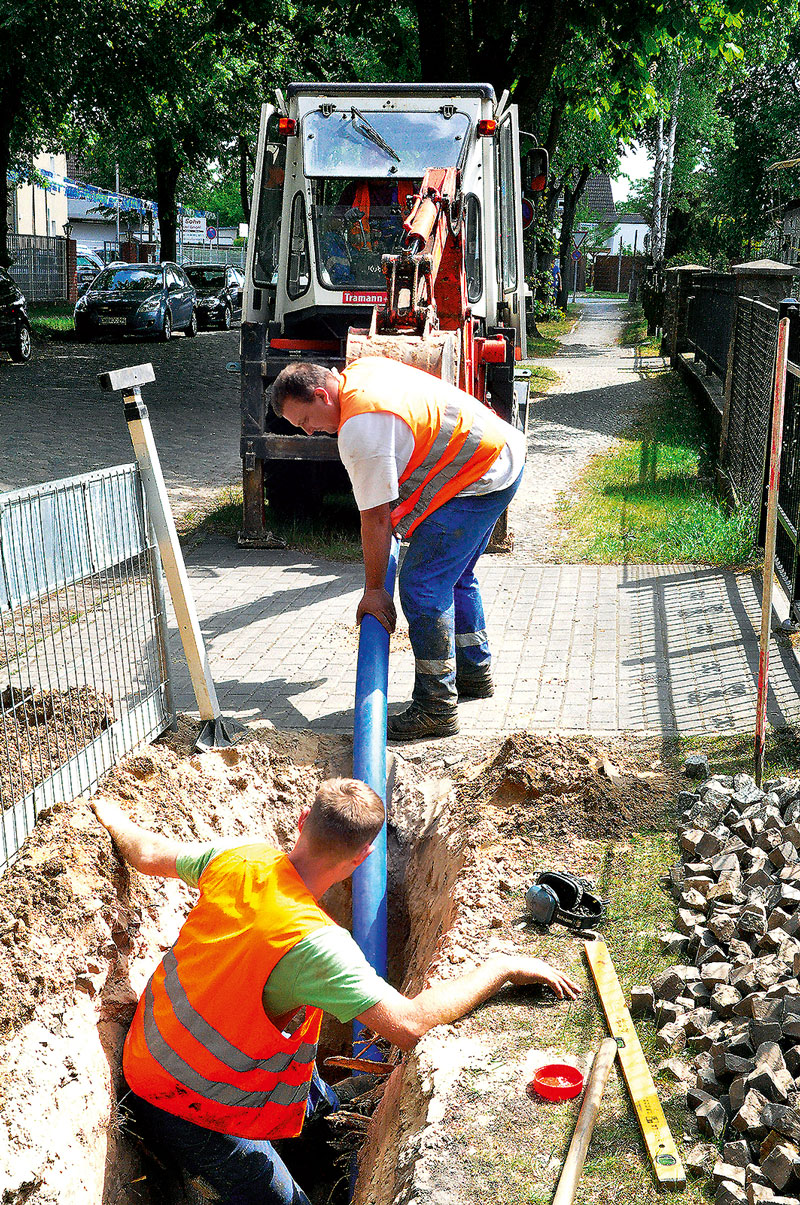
(80, 934)
(551, 787)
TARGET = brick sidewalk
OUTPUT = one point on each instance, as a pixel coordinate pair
(602, 649)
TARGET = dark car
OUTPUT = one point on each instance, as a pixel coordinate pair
(138, 299)
(15, 329)
(219, 293)
(87, 266)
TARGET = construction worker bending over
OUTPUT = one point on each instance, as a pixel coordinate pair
(220, 1055)
(454, 466)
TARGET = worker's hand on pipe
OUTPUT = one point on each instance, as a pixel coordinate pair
(535, 970)
(380, 604)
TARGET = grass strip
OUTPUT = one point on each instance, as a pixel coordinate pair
(549, 342)
(650, 499)
(634, 333)
(50, 316)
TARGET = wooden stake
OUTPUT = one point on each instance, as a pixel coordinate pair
(576, 1155)
(778, 396)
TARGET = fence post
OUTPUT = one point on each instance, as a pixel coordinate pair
(679, 286)
(760, 280)
(216, 732)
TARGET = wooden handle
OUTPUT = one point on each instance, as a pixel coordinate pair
(576, 1155)
(365, 1065)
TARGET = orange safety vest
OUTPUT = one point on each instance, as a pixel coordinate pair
(360, 233)
(456, 438)
(201, 1046)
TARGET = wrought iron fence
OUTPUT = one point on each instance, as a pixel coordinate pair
(752, 369)
(83, 662)
(709, 320)
(787, 544)
(39, 266)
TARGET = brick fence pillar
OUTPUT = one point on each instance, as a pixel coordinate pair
(760, 280)
(680, 282)
(72, 270)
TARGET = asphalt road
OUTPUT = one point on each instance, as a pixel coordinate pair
(55, 422)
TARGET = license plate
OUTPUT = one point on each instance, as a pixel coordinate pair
(107, 321)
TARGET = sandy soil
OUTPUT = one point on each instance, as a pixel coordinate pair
(80, 934)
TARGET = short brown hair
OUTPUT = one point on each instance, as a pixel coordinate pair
(346, 815)
(298, 381)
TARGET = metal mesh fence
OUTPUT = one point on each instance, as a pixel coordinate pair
(755, 342)
(709, 320)
(83, 666)
(202, 253)
(39, 266)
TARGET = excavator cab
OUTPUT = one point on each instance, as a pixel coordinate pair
(338, 170)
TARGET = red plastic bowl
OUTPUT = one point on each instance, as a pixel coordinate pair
(556, 1081)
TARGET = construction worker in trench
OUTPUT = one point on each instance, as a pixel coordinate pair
(432, 465)
(220, 1056)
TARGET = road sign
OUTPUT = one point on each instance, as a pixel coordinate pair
(211, 233)
(527, 213)
(576, 254)
(579, 237)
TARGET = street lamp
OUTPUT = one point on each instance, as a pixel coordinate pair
(67, 228)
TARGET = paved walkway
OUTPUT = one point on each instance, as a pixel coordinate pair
(578, 648)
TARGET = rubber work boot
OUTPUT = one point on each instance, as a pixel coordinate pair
(476, 684)
(414, 724)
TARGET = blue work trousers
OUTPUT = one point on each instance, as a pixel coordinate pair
(225, 1169)
(441, 600)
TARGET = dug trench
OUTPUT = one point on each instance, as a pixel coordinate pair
(80, 934)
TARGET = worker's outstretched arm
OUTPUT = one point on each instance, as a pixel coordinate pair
(403, 1021)
(145, 851)
(376, 541)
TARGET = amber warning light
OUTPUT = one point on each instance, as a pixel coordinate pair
(287, 126)
(487, 127)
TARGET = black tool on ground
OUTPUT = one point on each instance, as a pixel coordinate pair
(563, 897)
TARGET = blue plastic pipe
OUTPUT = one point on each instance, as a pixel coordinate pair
(369, 764)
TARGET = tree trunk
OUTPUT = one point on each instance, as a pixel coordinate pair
(445, 41)
(669, 160)
(167, 171)
(658, 188)
(568, 265)
(10, 97)
(243, 177)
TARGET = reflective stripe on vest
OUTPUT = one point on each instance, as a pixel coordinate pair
(445, 474)
(214, 1042)
(223, 1094)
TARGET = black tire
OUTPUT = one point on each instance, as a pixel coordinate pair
(166, 330)
(227, 318)
(22, 347)
(191, 329)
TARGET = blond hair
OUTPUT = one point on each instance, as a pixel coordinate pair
(346, 815)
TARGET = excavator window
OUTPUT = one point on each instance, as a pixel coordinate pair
(364, 144)
(506, 226)
(356, 222)
(270, 201)
(299, 276)
(473, 257)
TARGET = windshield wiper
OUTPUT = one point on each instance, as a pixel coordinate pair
(371, 133)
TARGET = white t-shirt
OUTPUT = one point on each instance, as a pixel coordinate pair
(376, 447)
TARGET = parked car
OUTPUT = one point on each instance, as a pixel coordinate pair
(138, 299)
(88, 264)
(219, 293)
(15, 328)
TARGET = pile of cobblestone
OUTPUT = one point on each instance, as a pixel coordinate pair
(733, 1004)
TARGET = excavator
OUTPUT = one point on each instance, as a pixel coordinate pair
(386, 220)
